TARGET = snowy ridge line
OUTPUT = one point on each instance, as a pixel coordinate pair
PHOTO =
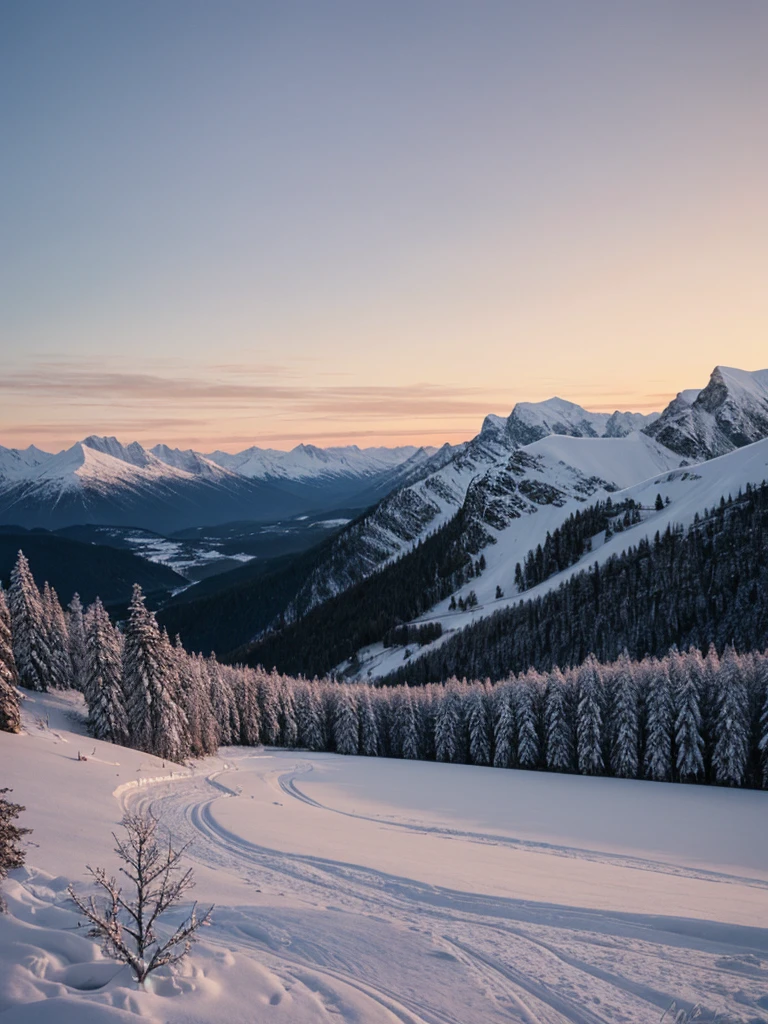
(288, 786)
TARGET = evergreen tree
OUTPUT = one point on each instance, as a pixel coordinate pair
(246, 694)
(345, 722)
(369, 727)
(659, 723)
(409, 737)
(103, 672)
(194, 697)
(308, 713)
(156, 723)
(763, 742)
(448, 724)
(504, 728)
(625, 721)
(76, 633)
(528, 694)
(558, 723)
(269, 708)
(589, 719)
(729, 758)
(688, 739)
(478, 721)
(223, 703)
(10, 708)
(289, 731)
(57, 641)
(30, 650)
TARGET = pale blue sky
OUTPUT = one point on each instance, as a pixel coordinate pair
(339, 221)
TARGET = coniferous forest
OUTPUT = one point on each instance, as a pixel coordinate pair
(686, 717)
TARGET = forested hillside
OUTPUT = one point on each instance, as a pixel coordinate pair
(708, 584)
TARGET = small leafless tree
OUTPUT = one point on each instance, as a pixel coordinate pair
(126, 924)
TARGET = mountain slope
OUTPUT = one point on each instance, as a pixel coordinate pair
(93, 570)
(730, 412)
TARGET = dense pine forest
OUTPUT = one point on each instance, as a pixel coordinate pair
(685, 717)
(708, 584)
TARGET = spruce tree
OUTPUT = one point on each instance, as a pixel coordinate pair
(448, 724)
(76, 632)
(688, 739)
(504, 727)
(30, 649)
(57, 641)
(589, 719)
(246, 699)
(659, 723)
(625, 721)
(479, 726)
(223, 702)
(308, 713)
(345, 721)
(103, 672)
(369, 726)
(156, 723)
(269, 707)
(763, 742)
(10, 707)
(289, 731)
(729, 758)
(406, 726)
(558, 723)
(528, 694)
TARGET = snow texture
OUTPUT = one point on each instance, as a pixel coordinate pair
(373, 890)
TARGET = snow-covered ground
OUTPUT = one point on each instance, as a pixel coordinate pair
(361, 890)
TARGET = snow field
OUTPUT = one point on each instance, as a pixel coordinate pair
(350, 889)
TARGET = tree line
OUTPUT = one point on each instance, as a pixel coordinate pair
(684, 717)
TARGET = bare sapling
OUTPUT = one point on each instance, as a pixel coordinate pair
(126, 923)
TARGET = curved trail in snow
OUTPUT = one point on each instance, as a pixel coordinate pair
(427, 954)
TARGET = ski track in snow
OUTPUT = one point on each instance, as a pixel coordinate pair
(422, 954)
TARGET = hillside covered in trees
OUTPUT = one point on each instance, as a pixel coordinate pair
(684, 717)
(708, 584)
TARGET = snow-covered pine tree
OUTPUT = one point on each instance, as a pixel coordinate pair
(195, 700)
(625, 720)
(589, 718)
(688, 739)
(246, 693)
(102, 677)
(729, 757)
(448, 723)
(222, 702)
(156, 723)
(558, 723)
(504, 727)
(406, 725)
(708, 691)
(345, 722)
(763, 741)
(479, 724)
(30, 649)
(10, 708)
(269, 707)
(308, 713)
(57, 639)
(76, 632)
(289, 731)
(369, 726)
(528, 695)
(659, 722)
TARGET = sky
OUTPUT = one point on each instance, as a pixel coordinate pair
(236, 223)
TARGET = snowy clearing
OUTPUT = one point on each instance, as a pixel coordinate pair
(373, 890)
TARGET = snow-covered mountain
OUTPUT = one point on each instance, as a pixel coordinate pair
(102, 481)
(730, 412)
(530, 421)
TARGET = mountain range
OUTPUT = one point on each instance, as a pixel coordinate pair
(440, 531)
(101, 481)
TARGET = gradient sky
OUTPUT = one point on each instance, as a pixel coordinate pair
(353, 222)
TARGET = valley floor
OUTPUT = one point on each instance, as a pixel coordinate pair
(359, 890)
